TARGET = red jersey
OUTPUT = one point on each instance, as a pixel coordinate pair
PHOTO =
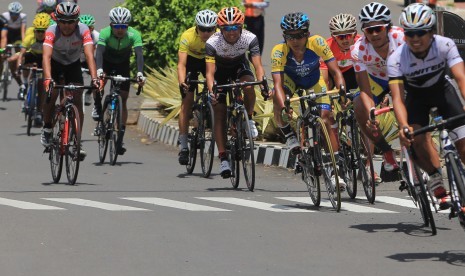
(344, 59)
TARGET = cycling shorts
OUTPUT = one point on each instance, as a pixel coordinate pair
(194, 66)
(226, 75)
(30, 58)
(349, 78)
(71, 72)
(320, 87)
(113, 69)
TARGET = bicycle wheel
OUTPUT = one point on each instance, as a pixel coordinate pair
(458, 173)
(104, 132)
(55, 155)
(324, 156)
(366, 171)
(206, 139)
(306, 162)
(30, 108)
(192, 139)
(245, 146)
(425, 207)
(347, 165)
(5, 82)
(116, 123)
(73, 147)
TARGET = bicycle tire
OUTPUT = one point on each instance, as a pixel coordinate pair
(73, 147)
(30, 108)
(306, 162)
(246, 150)
(5, 82)
(55, 154)
(233, 162)
(364, 163)
(324, 154)
(104, 129)
(424, 204)
(192, 139)
(457, 171)
(115, 135)
(207, 139)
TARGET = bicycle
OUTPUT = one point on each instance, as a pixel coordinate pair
(65, 140)
(413, 179)
(31, 108)
(355, 148)
(317, 157)
(108, 129)
(6, 73)
(201, 136)
(454, 166)
(240, 145)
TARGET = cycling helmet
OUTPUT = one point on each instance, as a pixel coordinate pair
(120, 15)
(49, 4)
(52, 22)
(342, 22)
(295, 21)
(41, 21)
(374, 12)
(230, 16)
(15, 7)
(67, 11)
(206, 18)
(87, 19)
(417, 17)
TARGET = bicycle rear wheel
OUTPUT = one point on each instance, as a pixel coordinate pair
(425, 207)
(459, 192)
(5, 82)
(233, 160)
(192, 139)
(366, 171)
(55, 155)
(102, 141)
(246, 150)
(206, 139)
(116, 123)
(306, 162)
(73, 147)
(325, 158)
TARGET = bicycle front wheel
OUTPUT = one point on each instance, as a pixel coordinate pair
(425, 207)
(459, 189)
(192, 145)
(116, 123)
(246, 150)
(5, 82)
(306, 162)
(206, 139)
(366, 171)
(326, 163)
(73, 147)
(55, 154)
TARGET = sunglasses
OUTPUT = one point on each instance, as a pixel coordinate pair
(120, 26)
(231, 28)
(344, 36)
(14, 14)
(295, 36)
(67, 21)
(375, 28)
(418, 33)
(39, 31)
(206, 29)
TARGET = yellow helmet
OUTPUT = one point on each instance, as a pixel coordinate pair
(41, 21)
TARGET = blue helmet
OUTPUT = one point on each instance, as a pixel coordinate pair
(295, 21)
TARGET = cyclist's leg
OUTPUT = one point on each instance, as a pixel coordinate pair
(326, 113)
(245, 74)
(222, 76)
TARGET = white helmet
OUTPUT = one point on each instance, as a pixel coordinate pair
(120, 15)
(206, 18)
(417, 17)
(15, 7)
(342, 22)
(374, 12)
(49, 3)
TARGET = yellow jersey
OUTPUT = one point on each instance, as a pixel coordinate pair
(30, 43)
(191, 44)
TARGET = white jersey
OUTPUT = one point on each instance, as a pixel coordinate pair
(15, 25)
(95, 35)
(426, 72)
(367, 59)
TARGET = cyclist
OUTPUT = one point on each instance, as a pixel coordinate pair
(114, 50)
(3, 36)
(47, 6)
(16, 33)
(31, 50)
(420, 66)
(88, 20)
(191, 58)
(226, 60)
(370, 54)
(61, 51)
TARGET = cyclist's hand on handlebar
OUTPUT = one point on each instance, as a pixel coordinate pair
(48, 83)
(141, 79)
(100, 74)
(385, 102)
(373, 126)
(213, 97)
(98, 83)
(403, 136)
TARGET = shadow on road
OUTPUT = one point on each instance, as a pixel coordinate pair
(456, 258)
(411, 229)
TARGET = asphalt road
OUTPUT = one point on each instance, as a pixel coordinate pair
(145, 216)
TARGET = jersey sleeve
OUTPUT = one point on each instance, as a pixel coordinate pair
(184, 43)
(453, 56)
(136, 39)
(85, 34)
(321, 48)
(104, 36)
(24, 19)
(254, 47)
(210, 53)
(393, 67)
(50, 36)
(355, 52)
(278, 59)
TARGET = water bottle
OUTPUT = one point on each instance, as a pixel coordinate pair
(446, 143)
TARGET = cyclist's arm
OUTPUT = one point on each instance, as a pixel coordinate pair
(139, 59)
(210, 75)
(336, 73)
(99, 56)
(20, 57)
(257, 64)
(397, 93)
(278, 83)
(182, 61)
(365, 91)
(89, 53)
(4, 36)
(458, 70)
(23, 31)
(46, 61)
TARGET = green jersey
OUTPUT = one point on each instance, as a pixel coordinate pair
(118, 50)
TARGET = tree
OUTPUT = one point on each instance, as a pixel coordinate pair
(161, 23)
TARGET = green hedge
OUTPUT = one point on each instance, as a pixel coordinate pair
(161, 23)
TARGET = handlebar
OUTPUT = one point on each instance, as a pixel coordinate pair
(120, 78)
(69, 87)
(440, 126)
(30, 68)
(313, 96)
(264, 90)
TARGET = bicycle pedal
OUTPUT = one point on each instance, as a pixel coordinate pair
(298, 169)
(403, 186)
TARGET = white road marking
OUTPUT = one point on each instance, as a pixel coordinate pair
(257, 205)
(27, 205)
(174, 204)
(96, 204)
(344, 205)
(396, 201)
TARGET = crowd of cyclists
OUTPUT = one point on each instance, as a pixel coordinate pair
(381, 60)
